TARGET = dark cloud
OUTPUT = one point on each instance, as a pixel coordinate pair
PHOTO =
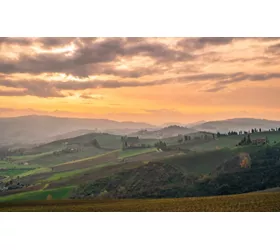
(200, 43)
(91, 57)
(239, 77)
(268, 39)
(16, 41)
(33, 88)
(274, 49)
(98, 52)
(53, 89)
(84, 96)
(158, 51)
(50, 42)
(135, 39)
(215, 89)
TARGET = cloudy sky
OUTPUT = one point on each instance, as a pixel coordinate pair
(155, 80)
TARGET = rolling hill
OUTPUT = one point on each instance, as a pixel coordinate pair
(166, 132)
(237, 124)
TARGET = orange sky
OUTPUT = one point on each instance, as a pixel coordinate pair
(155, 80)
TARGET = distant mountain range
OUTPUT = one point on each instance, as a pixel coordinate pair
(35, 129)
(42, 129)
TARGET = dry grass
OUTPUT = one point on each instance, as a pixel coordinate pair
(252, 202)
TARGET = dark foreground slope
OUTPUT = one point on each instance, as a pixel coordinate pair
(253, 202)
(170, 180)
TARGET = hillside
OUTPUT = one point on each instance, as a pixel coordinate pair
(191, 175)
(237, 124)
(41, 129)
(166, 132)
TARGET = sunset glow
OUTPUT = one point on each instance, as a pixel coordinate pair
(153, 80)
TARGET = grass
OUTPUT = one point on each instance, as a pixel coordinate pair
(228, 141)
(64, 175)
(51, 160)
(58, 193)
(252, 202)
(13, 172)
(134, 152)
(35, 171)
(86, 159)
(30, 156)
(69, 174)
(199, 162)
(11, 165)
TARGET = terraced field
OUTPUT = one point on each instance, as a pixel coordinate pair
(253, 202)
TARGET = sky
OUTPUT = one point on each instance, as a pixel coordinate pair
(154, 80)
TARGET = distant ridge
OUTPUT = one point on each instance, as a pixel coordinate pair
(237, 124)
(34, 129)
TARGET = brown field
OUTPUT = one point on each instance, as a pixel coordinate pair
(253, 202)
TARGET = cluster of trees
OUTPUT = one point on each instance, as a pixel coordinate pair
(232, 133)
(220, 134)
(245, 141)
(252, 131)
(203, 137)
(187, 138)
(161, 145)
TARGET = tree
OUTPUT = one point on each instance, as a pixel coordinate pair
(49, 197)
(249, 139)
(218, 134)
(96, 143)
(161, 145)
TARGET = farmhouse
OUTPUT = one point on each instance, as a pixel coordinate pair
(131, 142)
(259, 141)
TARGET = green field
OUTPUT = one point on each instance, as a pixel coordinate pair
(253, 202)
(57, 194)
(51, 160)
(13, 172)
(135, 152)
(69, 174)
(29, 157)
(12, 165)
